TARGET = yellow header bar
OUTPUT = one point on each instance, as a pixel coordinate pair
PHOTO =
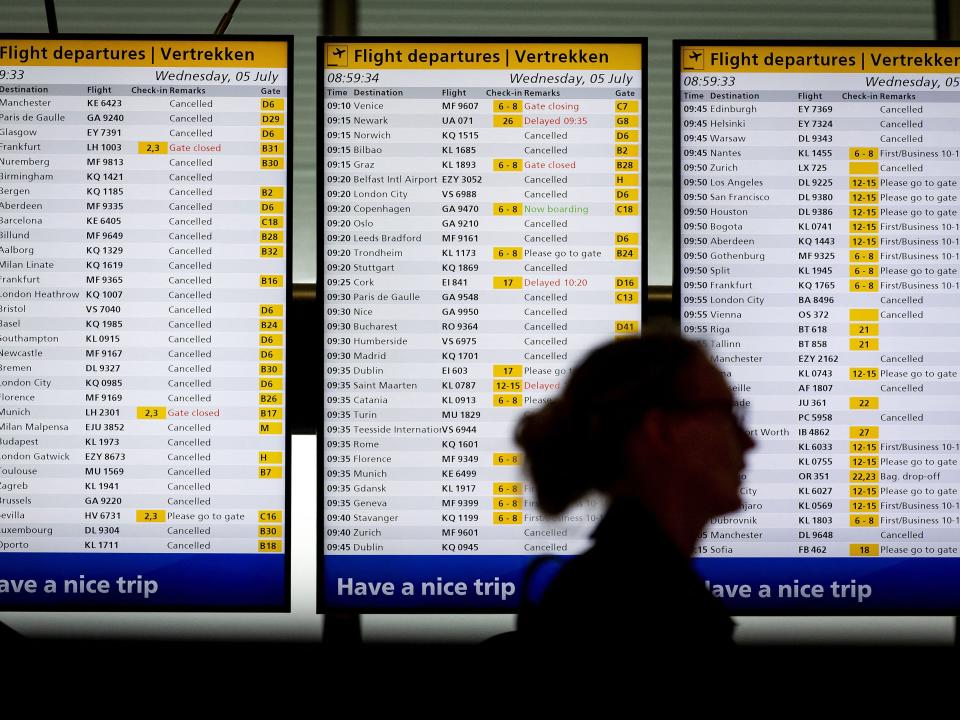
(819, 59)
(144, 53)
(482, 56)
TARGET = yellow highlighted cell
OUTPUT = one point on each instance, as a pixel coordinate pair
(275, 339)
(508, 253)
(865, 550)
(271, 251)
(863, 256)
(271, 133)
(508, 208)
(859, 432)
(864, 506)
(508, 164)
(864, 328)
(508, 488)
(864, 373)
(271, 206)
(267, 472)
(274, 192)
(864, 168)
(626, 121)
(864, 153)
(271, 163)
(626, 253)
(859, 462)
(864, 344)
(626, 327)
(859, 197)
(505, 282)
(158, 516)
(627, 164)
(864, 270)
(868, 314)
(153, 148)
(270, 515)
(271, 324)
(626, 282)
(271, 236)
(507, 458)
(270, 546)
(271, 281)
(270, 428)
(864, 446)
(627, 180)
(270, 413)
(271, 221)
(505, 385)
(508, 121)
(271, 148)
(864, 285)
(268, 457)
(270, 530)
(626, 298)
(508, 370)
(271, 398)
(865, 403)
(864, 520)
(620, 135)
(271, 103)
(507, 106)
(270, 383)
(626, 194)
(864, 211)
(271, 310)
(510, 400)
(864, 226)
(271, 353)
(271, 118)
(151, 412)
(626, 150)
(626, 238)
(626, 106)
(861, 491)
(507, 518)
(271, 369)
(507, 503)
(864, 476)
(864, 182)
(864, 241)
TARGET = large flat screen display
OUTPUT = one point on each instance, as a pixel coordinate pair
(483, 228)
(818, 256)
(144, 278)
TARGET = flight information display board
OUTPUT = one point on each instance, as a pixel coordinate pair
(144, 206)
(817, 231)
(483, 218)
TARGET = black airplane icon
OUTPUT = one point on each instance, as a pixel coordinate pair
(694, 55)
(339, 51)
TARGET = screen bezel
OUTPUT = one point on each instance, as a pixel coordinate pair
(676, 304)
(322, 605)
